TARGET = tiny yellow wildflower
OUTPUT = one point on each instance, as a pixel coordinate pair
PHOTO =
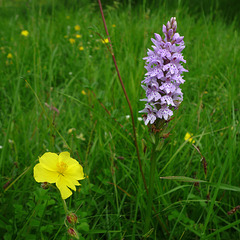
(105, 40)
(188, 137)
(81, 48)
(60, 169)
(77, 28)
(113, 25)
(9, 56)
(83, 92)
(67, 17)
(72, 40)
(24, 33)
(78, 35)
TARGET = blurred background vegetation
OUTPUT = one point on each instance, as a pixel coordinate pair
(72, 77)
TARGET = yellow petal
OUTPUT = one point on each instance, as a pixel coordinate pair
(65, 181)
(62, 184)
(49, 161)
(65, 191)
(41, 174)
(75, 172)
(65, 157)
(70, 181)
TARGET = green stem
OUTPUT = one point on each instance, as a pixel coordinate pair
(151, 189)
(65, 206)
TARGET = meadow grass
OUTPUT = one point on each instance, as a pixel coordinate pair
(54, 96)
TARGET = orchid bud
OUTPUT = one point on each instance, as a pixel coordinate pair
(168, 25)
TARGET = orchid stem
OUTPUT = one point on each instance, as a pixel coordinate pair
(151, 190)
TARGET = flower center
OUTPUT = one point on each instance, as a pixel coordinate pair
(61, 167)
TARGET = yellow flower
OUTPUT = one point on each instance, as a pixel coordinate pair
(188, 137)
(113, 25)
(78, 35)
(105, 40)
(24, 33)
(81, 48)
(83, 92)
(9, 56)
(72, 40)
(67, 17)
(77, 28)
(60, 169)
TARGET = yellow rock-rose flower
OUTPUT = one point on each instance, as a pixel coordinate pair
(72, 40)
(9, 56)
(77, 28)
(24, 33)
(60, 169)
(188, 137)
(105, 40)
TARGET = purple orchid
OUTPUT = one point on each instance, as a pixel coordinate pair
(163, 76)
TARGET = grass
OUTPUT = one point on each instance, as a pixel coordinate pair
(112, 201)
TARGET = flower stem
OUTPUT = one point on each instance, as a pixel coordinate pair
(65, 206)
(151, 189)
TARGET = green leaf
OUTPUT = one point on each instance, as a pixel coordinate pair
(83, 227)
(222, 186)
(183, 179)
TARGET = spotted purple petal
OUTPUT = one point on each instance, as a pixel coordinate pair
(164, 74)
